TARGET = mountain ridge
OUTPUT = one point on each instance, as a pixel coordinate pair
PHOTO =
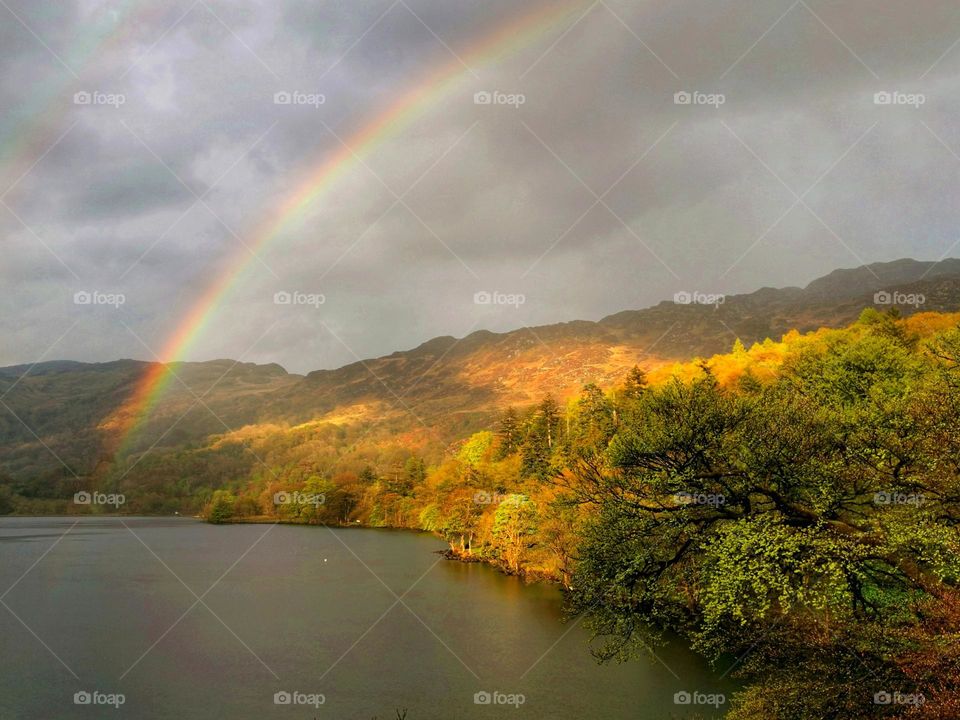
(863, 278)
(444, 382)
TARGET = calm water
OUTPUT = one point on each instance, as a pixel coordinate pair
(293, 609)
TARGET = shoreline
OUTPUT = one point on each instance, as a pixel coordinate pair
(451, 554)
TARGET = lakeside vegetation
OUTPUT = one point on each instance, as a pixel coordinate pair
(793, 505)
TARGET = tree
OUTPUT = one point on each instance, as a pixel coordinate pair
(311, 500)
(535, 454)
(416, 470)
(548, 418)
(542, 435)
(635, 384)
(559, 530)
(594, 426)
(476, 449)
(509, 433)
(514, 525)
(221, 507)
(458, 519)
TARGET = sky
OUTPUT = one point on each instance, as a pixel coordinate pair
(632, 150)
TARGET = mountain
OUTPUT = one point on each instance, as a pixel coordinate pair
(484, 369)
(59, 413)
(56, 413)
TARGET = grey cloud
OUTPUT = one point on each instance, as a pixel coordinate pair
(500, 201)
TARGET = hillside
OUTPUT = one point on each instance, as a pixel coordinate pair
(58, 413)
(485, 369)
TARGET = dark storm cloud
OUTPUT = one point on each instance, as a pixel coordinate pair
(159, 196)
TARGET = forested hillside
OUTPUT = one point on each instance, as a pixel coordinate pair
(60, 428)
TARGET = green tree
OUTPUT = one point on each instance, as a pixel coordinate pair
(416, 470)
(514, 527)
(540, 441)
(221, 507)
(635, 384)
(594, 425)
(548, 419)
(509, 433)
(476, 449)
(535, 455)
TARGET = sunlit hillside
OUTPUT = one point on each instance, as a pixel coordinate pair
(440, 390)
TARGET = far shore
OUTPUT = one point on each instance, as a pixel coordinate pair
(449, 553)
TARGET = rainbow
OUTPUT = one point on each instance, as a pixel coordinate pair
(505, 40)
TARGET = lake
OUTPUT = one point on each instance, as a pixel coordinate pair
(189, 620)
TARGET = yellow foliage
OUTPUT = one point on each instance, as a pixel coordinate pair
(764, 359)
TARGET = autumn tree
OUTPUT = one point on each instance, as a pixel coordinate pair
(458, 519)
(514, 525)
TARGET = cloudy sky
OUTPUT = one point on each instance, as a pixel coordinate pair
(144, 154)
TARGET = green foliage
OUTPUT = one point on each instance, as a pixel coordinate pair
(476, 449)
(541, 441)
(7, 502)
(635, 384)
(416, 470)
(594, 423)
(429, 518)
(514, 525)
(221, 507)
(509, 433)
(808, 524)
(755, 569)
